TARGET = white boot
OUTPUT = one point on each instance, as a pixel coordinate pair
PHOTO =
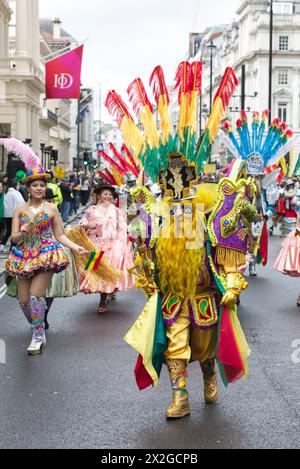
(38, 309)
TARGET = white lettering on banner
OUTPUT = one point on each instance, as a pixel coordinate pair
(63, 81)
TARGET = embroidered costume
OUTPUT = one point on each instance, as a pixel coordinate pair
(254, 152)
(38, 252)
(189, 273)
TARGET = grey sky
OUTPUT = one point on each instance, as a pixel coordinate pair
(128, 38)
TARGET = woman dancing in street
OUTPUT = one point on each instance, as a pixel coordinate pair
(38, 233)
(107, 229)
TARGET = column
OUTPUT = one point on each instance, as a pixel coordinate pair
(22, 30)
(35, 131)
(29, 122)
(21, 121)
(35, 31)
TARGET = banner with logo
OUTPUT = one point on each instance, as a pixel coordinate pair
(63, 75)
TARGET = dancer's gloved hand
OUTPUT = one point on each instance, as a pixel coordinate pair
(235, 285)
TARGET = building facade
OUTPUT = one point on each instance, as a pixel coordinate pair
(246, 42)
(21, 79)
(48, 125)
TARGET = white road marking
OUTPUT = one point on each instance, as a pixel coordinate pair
(3, 291)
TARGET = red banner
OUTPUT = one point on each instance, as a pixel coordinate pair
(63, 75)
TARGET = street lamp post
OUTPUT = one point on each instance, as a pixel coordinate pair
(270, 61)
(43, 145)
(49, 154)
(211, 46)
(243, 88)
(200, 117)
(78, 135)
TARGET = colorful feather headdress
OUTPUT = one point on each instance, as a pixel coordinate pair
(260, 148)
(29, 158)
(152, 145)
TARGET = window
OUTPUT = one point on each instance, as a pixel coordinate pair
(282, 111)
(283, 77)
(283, 8)
(283, 43)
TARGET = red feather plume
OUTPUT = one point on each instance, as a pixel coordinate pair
(116, 107)
(227, 86)
(127, 167)
(226, 127)
(130, 157)
(184, 79)
(112, 162)
(107, 176)
(197, 68)
(138, 96)
(158, 84)
(244, 116)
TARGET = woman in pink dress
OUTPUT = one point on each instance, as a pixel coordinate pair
(288, 260)
(107, 229)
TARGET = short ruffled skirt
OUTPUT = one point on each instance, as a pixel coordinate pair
(51, 258)
(288, 260)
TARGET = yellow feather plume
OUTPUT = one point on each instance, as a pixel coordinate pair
(215, 119)
(165, 119)
(192, 115)
(148, 121)
(132, 137)
(183, 115)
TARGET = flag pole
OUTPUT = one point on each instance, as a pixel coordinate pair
(58, 53)
(78, 135)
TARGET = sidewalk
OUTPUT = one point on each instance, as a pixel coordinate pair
(80, 211)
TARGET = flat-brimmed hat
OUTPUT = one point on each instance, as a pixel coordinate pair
(49, 194)
(37, 174)
(105, 187)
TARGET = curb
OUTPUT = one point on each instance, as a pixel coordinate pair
(2, 272)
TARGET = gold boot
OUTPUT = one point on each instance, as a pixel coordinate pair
(211, 390)
(178, 375)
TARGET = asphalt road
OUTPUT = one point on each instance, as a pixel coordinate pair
(81, 392)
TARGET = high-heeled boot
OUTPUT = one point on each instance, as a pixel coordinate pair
(38, 309)
(178, 375)
(27, 312)
(211, 390)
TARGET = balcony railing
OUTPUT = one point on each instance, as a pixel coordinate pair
(49, 115)
(20, 66)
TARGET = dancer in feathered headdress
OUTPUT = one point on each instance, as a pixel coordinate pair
(192, 283)
(257, 149)
(38, 234)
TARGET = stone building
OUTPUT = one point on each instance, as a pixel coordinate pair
(246, 42)
(25, 41)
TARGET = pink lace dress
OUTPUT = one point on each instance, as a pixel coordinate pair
(288, 260)
(110, 235)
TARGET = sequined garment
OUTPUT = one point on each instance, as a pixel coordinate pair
(37, 252)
